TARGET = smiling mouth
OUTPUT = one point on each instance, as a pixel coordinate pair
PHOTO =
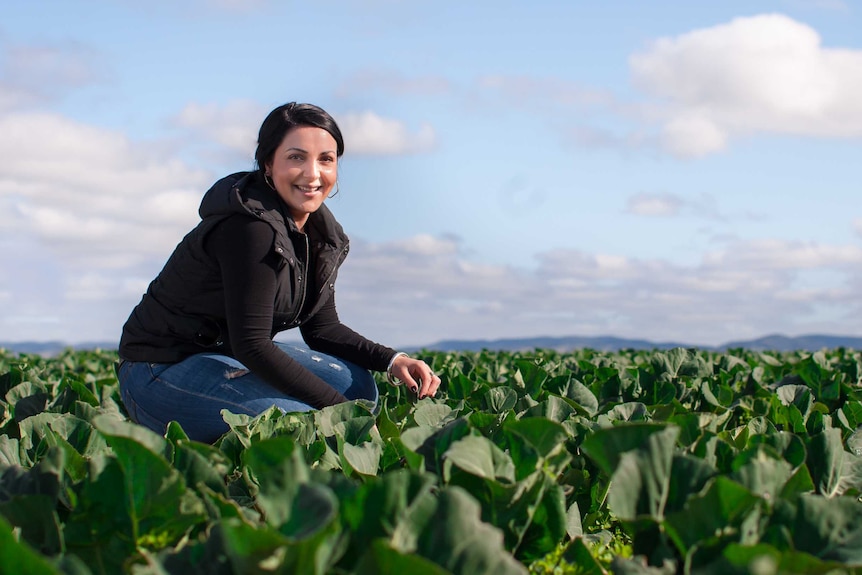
(308, 189)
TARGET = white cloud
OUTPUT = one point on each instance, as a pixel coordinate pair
(392, 82)
(83, 191)
(699, 206)
(422, 289)
(766, 73)
(88, 217)
(233, 125)
(747, 290)
(371, 134)
(654, 204)
(33, 74)
(857, 223)
(777, 255)
(528, 89)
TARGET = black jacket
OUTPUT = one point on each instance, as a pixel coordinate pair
(184, 310)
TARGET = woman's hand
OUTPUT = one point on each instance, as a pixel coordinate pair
(416, 375)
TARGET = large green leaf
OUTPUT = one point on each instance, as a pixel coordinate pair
(724, 505)
(200, 464)
(246, 549)
(313, 531)
(29, 498)
(789, 445)
(10, 451)
(578, 554)
(641, 481)
(27, 399)
(499, 399)
(536, 520)
(530, 376)
(830, 529)
(817, 374)
(99, 529)
(402, 501)
(850, 415)
(678, 362)
(544, 435)
(455, 538)
(363, 459)
(582, 396)
(18, 557)
(432, 414)
(797, 395)
(763, 475)
(828, 462)
(606, 446)
(381, 559)
(156, 502)
(688, 476)
(436, 443)
(278, 469)
(246, 429)
(554, 408)
(76, 437)
(479, 456)
(79, 433)
(459, 387)
(632, 411)
(737, 559)
(351, 420)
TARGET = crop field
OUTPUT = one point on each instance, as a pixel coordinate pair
(662, 462)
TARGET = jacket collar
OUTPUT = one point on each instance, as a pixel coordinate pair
(243, 193)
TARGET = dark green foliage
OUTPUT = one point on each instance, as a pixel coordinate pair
(678, 461)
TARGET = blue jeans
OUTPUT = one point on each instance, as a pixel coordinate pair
(194, 391)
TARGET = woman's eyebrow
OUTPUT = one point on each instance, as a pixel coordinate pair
(306, 151)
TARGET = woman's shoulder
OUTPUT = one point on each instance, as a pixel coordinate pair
(237, 233)
(243, 225)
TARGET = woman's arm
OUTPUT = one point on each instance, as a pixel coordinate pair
(243, 248)
(325, 333)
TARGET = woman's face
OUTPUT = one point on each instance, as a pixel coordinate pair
(304, 169)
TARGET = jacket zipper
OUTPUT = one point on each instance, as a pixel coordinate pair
(294, 321)
(303, 282)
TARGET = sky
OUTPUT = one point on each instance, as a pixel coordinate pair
(666, 170)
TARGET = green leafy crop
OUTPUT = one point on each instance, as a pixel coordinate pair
(540, 462)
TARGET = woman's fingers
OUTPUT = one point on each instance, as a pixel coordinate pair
(419, 378)
(430, 383)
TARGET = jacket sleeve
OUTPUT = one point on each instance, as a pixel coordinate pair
(325, 333)
(242, 246)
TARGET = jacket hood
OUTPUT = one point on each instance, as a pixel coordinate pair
(224, 197)
(241, 193)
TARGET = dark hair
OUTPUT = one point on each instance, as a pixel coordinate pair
(282, 120)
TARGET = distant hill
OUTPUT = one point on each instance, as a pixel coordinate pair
(49, 348)
(608, 343)
(802, 342)
(774, 342)
(562, 344)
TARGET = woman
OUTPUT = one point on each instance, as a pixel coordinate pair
(263, 259)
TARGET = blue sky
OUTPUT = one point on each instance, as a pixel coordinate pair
(664, 170)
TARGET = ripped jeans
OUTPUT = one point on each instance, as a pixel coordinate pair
(194, 391)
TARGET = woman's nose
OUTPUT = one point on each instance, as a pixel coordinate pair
(312, 169)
